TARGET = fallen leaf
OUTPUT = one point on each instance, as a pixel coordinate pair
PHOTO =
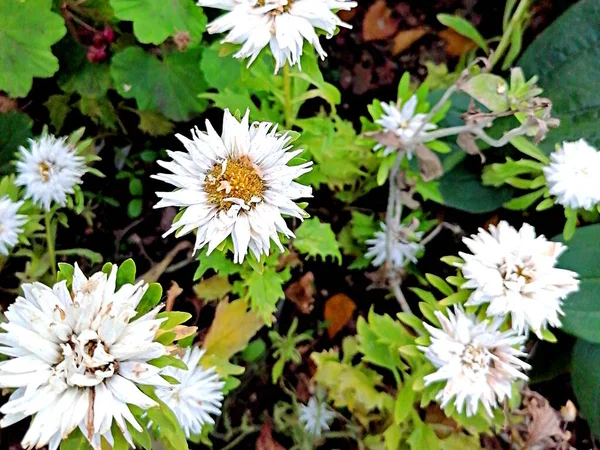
(265, 439)
(213, 288)
(378, 22)
(456, 44)
(231, 329)
(338, 311)
(302, 293)
(404, 39)
(155, 272)
(543, 422)
(173, 292)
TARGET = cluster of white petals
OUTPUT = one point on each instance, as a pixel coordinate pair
(403, 251)
(198, 394)
(315, 417)
(573, 175)
(513, 272)
(77, 358)
(238, 184)
(402, 120)
(283, 25)
(49, 170)
(11, 224)
(477, 362)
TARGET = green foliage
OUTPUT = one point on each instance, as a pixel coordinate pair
(586, 379)
(314, 238)
(263, 290)
(489, 90)
(28, 29)
(284, 349)
(75, 441)
(15, 129)
(465, 28)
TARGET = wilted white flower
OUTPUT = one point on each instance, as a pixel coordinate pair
(477, 362)
(513, 271)
(403, 122)
(284, 25)
(49, 170)
(573, 175)
(403, 250)
(236, 184)
(77, 357)
(315, 417)
(198, 395)
(10, 224)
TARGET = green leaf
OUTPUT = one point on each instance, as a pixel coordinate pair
(404, 401)
(58, 109)
(150, 299)
(264, 290)
(317, 239)
(585, 375)
(28, 29)
(218, 262)
(254, 350)
(582, 308)
(174, 318)
(459, 297)
(489, 90)
(392, 437)
(213, 288)
(170, 86)
(93, 257)
(126, 273)
(15, 129)
(527, 147)
(464, 28)
(439, 284)
(423, 437)
(135, 187)
(88, 80)
(524, 201)
(75, 441)
(156, 20)
(134, 208)
(154, 124)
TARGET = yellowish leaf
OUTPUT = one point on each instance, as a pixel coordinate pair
(404, 39)
(213, 288)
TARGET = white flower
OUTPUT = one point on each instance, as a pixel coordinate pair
(236, 184)
(404, 123)
(514, 272)
(478, 362)
(315, 417)
(49, 170)
(198, 395)
(573, 175)
(77, 357)
(284, 25)
(11, 224)
(403, 251)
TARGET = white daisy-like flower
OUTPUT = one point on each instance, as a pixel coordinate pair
(477, 362)
(11, 224)
(573, 175)
(315, 417)
(49, 170)
(237, 184)
(77, 357)
(283, 25)
(403, 250)
(514, 272)
(403, 122)
(198, 395)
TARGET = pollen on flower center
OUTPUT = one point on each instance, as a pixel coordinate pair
(520, 272)
(85, 360)
(476, 358)
(45, 169)
(234, 179)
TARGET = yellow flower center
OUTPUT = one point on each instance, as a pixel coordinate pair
(45, 168)
(235, 178)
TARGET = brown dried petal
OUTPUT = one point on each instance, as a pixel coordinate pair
(466, 141)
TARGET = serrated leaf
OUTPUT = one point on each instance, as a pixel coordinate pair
(213, 288)
(58, 109)
(156, 20)
(216, 261)
(264, 290)
(88, 80)
(15, 129)
(317, 239)
(154, 124)
(231, 329)
(28, 29)
(170, 86)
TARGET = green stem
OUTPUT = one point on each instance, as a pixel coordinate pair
(504, 42)
(50, 242)
(287, 92)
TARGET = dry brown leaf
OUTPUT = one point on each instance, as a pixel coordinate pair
(231, 329)
(213, 288)
(183, 331)
(173, 292)
(338, 311)
(302, 293)
(429, 163)
(378, 22)
(155, 272)
(466, 141)
(544, 422)
(7, 104)
(456, 44)
(265, 439)
(404, 39)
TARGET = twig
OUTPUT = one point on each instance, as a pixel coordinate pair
(477, 130)
(427, 239)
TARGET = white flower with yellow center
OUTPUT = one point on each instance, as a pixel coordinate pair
(76, 359)
(573, 175)
(403, 250)
(283, 25)
(477, 362)
(198, 395)
(238, 184)
(514, 272)
(315, 417)
(49, 170)
(402, 120)
(11, 224)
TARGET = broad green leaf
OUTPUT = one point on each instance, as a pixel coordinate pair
(174, 318)
(585, 375)
(75, 441)
(489, 90)
(88, 80)
(58, 109)
(156, 20)
(264, 290)
(126, 273)
(154, 124)
(317, 239)
(582, 308)
(150, 299)
(170, 86)
(463, 27)
(15, 129)
(28, 29)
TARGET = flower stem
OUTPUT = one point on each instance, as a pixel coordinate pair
(287, 92)
(50, 242)
(506, 37)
